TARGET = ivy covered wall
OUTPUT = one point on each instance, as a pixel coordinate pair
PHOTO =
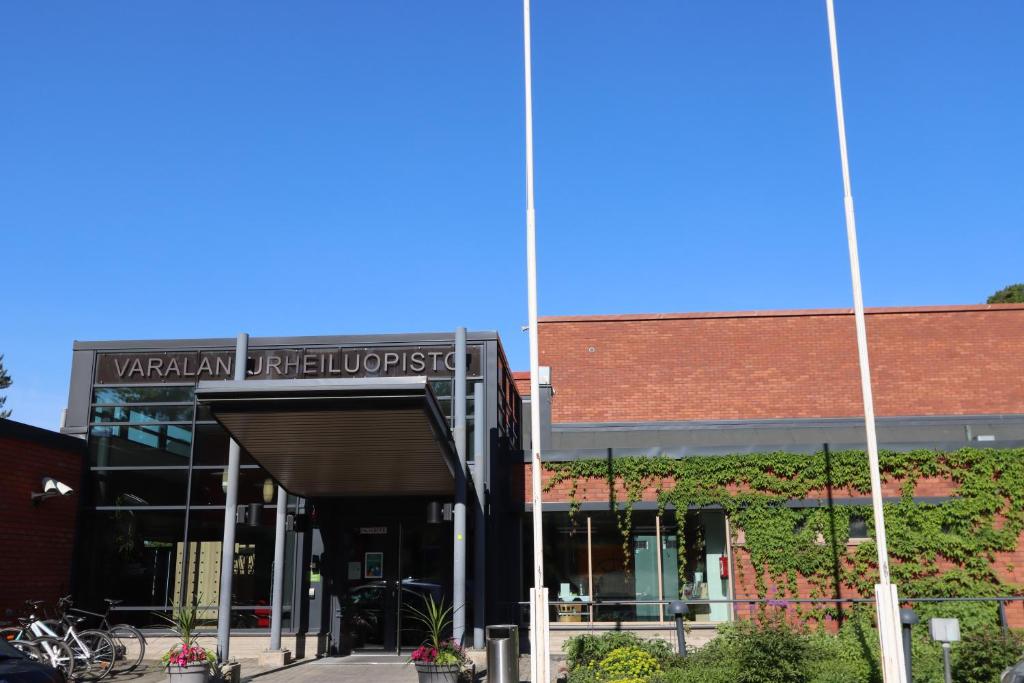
(968, 545)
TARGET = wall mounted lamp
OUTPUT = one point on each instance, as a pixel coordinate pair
(51, 488)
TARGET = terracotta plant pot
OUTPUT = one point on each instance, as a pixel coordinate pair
(438, 673)
(193, 673)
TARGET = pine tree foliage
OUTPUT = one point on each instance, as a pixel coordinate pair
(1013, 294)
(5, 381)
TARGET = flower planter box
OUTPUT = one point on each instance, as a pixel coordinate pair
(193, 673)
(438, 673)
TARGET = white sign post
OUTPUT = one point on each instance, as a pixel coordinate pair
(538, 595)
(887, 600)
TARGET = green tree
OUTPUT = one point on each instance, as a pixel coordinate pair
(5, 381)
(1014, 294)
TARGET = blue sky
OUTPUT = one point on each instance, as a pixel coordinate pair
(180, 169)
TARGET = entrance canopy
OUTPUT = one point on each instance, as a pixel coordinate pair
(340, 437)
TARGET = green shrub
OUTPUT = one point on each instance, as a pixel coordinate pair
(776, 652)
(984, 654)
(628, 663)
(712, 663)
(584, 674)
(588, 650)
(771, 652)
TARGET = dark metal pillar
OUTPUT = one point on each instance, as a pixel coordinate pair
(907, 618)
(480, 518)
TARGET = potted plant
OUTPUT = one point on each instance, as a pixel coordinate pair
(437, 660)
(187, 661)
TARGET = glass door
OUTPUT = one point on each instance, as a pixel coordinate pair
(369, 613)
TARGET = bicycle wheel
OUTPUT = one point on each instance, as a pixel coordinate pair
(98, 654)
(27, 648)
(57, 654)
(129, 644)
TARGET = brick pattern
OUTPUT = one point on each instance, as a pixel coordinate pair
(798, 364)
(522, 380)
(37, 540)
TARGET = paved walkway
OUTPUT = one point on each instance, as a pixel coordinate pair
(364, 669)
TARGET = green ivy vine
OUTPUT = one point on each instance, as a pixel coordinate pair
(938, 550)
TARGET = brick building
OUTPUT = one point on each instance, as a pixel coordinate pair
(359, 431)
(38, 534)
(680, 386)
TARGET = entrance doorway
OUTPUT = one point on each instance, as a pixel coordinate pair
(383, 569)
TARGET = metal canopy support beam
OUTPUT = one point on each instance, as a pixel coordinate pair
(480, 518)
(227, 556)
(277, 601)
(459, 436)
(887, 602)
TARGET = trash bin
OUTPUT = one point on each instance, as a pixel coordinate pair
(503, 653)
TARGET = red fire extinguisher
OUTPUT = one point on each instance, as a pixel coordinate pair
(723, 567)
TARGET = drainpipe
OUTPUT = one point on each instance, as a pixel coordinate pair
(459, 433)
(277, 602)
(227, 557)
(479, 522)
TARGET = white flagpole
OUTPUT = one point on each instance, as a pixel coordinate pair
(885, 592)
(538, 596)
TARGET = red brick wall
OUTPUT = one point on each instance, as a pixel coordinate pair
(797, 364)
(36, 540)
(522, 380)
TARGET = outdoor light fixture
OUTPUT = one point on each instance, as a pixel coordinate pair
(679, 610)
(434, 512)
(945, 631)
(268, 490)
(224, 481)
(253, 514)
(51, 488)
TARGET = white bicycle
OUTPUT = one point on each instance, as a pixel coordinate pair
(86, 655)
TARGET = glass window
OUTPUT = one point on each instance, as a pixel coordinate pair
(657, 568)
(139, 446)
(442, 387)
(212, 447)
(209, 486)
(858, 527)
(142, 414)
(565, 564)
(161, 394)
(134, 556)
(611, 581)
(128, 488)
(139, 556)
(254, 559)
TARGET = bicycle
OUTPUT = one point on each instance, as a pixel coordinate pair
(129, 643)
(93, 652)
(44, 649)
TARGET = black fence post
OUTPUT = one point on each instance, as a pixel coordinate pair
(908, 618)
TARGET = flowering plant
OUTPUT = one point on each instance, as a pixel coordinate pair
(447, 652)
(184, 655)
(184, 622)
(435, 617)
